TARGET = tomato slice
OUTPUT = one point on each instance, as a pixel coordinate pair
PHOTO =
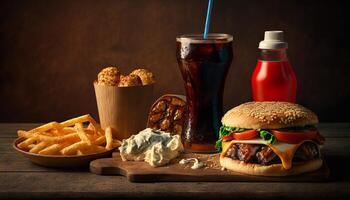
(245, 135)
(227, 137)
(295, 137)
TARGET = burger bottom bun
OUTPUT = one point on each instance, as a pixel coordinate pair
(269, 170)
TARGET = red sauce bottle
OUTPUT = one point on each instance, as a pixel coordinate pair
(273, 78)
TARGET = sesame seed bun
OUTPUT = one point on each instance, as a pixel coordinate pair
(269, 115)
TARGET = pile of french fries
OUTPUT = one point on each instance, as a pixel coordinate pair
(68, 138)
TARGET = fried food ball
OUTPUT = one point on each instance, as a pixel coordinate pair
(109, 76)
(145, 75)
(129, 80)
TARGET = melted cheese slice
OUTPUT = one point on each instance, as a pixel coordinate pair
(283, 150)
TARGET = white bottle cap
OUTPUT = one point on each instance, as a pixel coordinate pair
(273, 40)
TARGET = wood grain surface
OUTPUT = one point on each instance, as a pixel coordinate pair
(175, 172)
(20, 179)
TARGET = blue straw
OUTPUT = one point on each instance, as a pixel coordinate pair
(207, 20)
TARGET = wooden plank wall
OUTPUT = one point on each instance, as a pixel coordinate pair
(51, 50)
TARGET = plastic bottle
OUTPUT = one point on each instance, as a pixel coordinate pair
(273, 78)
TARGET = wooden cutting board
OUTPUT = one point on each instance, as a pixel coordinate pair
(143, 172)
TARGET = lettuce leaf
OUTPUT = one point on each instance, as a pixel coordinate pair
(226, 130)
(267, 136)
(264, 134)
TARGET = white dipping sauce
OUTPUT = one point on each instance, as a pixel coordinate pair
(196, 164)
(157, 148)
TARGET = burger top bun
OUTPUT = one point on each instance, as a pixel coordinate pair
(269, 115)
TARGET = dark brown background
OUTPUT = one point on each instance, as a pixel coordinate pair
(51, 50)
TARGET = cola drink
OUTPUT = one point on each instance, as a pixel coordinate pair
(204, 64)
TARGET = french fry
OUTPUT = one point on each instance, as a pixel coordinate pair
(46, 138)
(100, 140)
(80, 130)
(91, 127)
(109, 138)
(97, 149)
(90, 132)
(96, 125)
(73, 121)
(52, 132)
(70, 137)
(67, 130)
(80, 153)
(72, 149)
(38, 147)
(93, 138)
(52, 139)
(62, 139)
(46, 127)
(100, 132)
(97, 130)
(26, 143)
(73, 137)
(80, 119)
(93, 149)
(53, 149)
(24, 134)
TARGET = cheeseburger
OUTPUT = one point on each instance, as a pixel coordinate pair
(270, 139)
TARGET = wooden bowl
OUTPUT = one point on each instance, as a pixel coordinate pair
(60, 161)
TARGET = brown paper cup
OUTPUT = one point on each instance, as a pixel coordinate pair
(125, 109)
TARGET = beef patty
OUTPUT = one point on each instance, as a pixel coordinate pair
(262, 154)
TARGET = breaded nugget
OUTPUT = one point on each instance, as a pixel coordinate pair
(129, 80)
(109, 76)
(145, 75)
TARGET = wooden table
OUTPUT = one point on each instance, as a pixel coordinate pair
(20, 179)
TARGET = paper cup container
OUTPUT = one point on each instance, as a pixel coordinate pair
(125, 109)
